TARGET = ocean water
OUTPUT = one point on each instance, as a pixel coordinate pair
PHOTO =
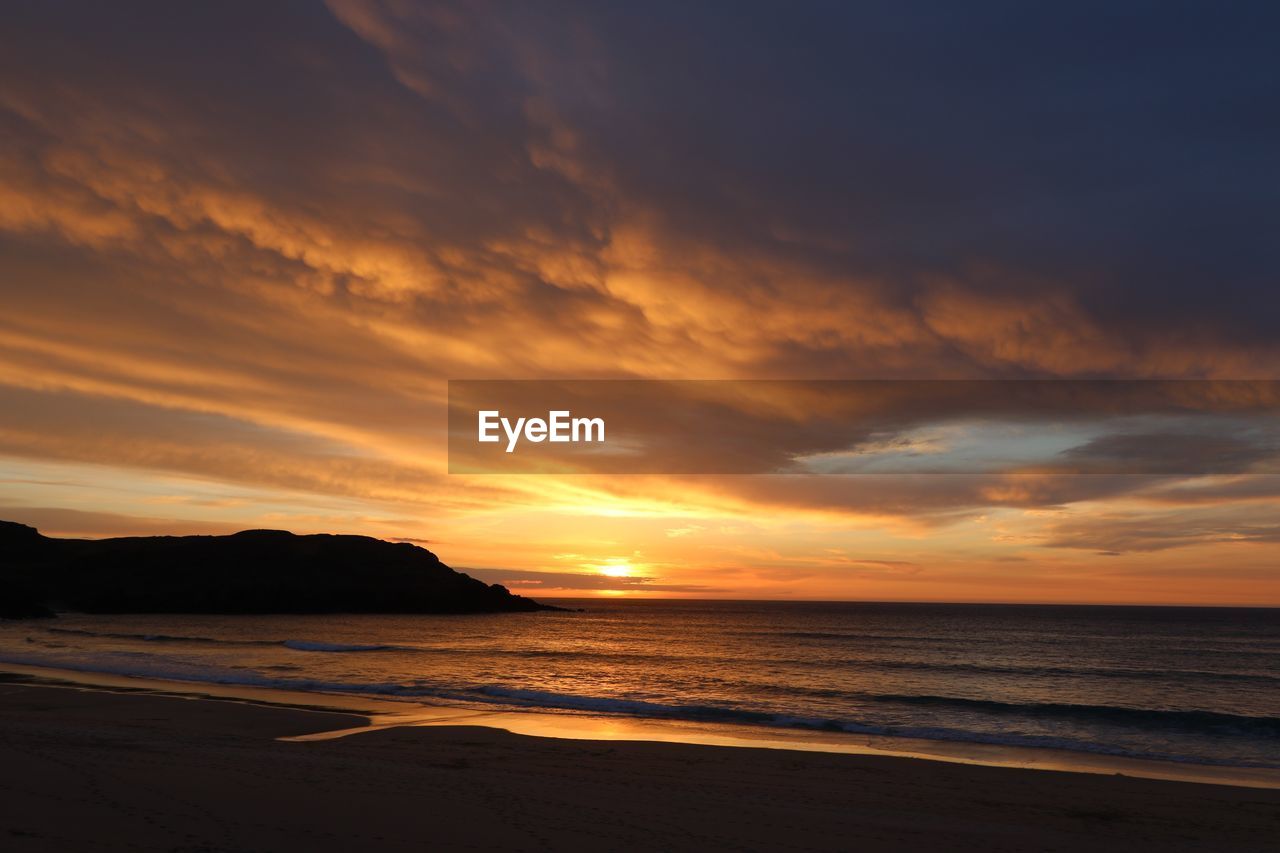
(1197, 685)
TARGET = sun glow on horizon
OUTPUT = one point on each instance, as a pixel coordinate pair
(616, 567)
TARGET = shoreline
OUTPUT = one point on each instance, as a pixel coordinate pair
(385, 714)
(115, 768)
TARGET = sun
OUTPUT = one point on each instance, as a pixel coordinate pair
(616, 567)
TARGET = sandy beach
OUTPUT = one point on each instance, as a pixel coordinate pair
(95, 770)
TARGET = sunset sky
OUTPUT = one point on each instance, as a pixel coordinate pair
(244, 246)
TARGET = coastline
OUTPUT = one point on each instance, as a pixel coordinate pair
(93, 768)
(382, 714)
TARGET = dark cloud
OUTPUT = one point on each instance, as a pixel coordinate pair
(932, 499)
(1120, 153)
(1252, 488)
(1234, 450)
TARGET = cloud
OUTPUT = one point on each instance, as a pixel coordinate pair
(1116, 533)
(1234, 449)
(250, 243)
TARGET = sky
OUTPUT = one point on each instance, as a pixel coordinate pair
(245, 246)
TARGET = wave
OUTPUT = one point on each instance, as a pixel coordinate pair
(1243, 645)
(296, 645)
(1201, 722)
(1096, 672)
(631, 707)
(547, 700)
(135, 665)
(845, 635)
(159, 638)
(314, 646)
(328, 646)
(1186, 720)
(1233, 724)
(143, 665)
(666, 658)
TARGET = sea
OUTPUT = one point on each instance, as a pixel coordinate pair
(1198, 685)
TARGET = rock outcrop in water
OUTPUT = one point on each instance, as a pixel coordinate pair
(255, 571)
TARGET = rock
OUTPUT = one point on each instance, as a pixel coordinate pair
(254, 571)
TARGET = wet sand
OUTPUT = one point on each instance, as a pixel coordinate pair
(92, 770)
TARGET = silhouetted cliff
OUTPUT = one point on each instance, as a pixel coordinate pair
(256, 571)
